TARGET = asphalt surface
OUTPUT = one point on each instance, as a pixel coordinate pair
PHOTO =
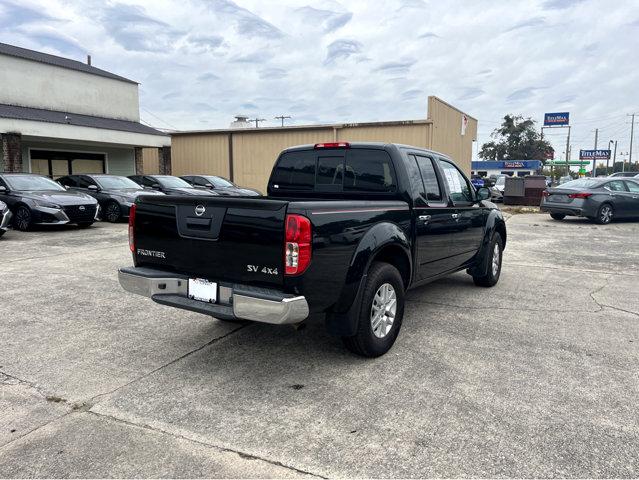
(536, 377)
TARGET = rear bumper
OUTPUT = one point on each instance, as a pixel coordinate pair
(235, 301)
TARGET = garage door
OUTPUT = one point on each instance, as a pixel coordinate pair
(56, 164)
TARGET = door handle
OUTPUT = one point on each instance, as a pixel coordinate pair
(424, 218)
(455, 215)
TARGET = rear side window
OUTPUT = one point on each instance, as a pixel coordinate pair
(295, 171)
(369, 171)
(616, 186)
(355, 170)
(632, 186)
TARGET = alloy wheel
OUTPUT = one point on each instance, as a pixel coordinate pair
(112, 212)
(496, 259)
(383, 310)
(23, 219)
(606, 214)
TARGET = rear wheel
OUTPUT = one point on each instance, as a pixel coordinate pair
(496, 251)
(605, 214)
(112, 212)
(381, 312)
(22, 220)
(557, 216)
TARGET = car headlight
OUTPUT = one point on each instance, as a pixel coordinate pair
(124, 200)
(41, 203)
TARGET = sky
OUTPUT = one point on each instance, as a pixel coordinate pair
(201, 62)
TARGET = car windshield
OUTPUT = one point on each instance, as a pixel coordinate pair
(168, 181)
(582, 183)
(219, 182)
(117, 183)
(32, 182)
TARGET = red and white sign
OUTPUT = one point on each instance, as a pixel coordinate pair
(464, 123)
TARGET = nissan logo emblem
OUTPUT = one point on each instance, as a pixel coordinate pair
(199, 210)
(82, 209)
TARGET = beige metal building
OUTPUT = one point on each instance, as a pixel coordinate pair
(247, 155)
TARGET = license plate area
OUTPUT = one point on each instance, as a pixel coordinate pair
(202, 290)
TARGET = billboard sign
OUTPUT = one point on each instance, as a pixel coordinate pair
(513, 164)
(557, 119)
(594, 154)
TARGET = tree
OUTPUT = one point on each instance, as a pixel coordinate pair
(516, 139)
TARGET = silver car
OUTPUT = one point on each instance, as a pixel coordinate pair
(5, 217)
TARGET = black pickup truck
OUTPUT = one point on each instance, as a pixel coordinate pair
(345, 229)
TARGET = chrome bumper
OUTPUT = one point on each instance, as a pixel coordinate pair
(5, 219)
(235, 302)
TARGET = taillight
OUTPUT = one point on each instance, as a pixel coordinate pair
(297, 245)
(579, 195)
(545, 193)
(333, 145)
(132, 228)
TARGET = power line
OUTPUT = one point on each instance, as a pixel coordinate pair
(163, 121)
(282, 117)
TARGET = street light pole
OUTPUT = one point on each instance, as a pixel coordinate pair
(610, 142)
(594, 158)
(614, 158)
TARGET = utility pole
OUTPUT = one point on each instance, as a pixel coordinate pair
(632, 134)
(282, 117)
(594, 159)
(610, 142)
(568, 152)
(614, 158)
(257, 121)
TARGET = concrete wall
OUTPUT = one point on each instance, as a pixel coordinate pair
(446, 134)
(38, 85)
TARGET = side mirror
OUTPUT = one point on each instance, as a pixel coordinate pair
(3, 189)
(483, 194)
(93, 188)
(156, 186)
(208, 185)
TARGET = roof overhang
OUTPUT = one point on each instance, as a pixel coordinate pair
(75, 133)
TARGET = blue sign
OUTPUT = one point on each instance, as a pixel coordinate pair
(556, 119)
(594, 154)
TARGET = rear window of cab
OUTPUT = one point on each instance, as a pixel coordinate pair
(339, 170)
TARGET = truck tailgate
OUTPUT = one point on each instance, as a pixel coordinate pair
(217, 238)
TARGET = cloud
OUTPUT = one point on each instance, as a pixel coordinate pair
(341, 49)
(327, 20)
(13, 14)
(59, 43)
(522, 94)
(246, 22)
(260, 56)
(133, 29)
(210, 42)
(429, 35)
(532, 22)
(411, 94)
(273, 73)
(470, 94)
(395, 67)
(207, 77)
(560, 4)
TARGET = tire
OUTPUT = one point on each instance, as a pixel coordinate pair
(22, 218)
(85, 224)
(112, 212)
(496, 249)
(380, 316)
(605, 214)
(557, 216)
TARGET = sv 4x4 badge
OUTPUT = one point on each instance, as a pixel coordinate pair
(257, 269)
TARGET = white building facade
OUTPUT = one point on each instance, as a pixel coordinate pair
(59, 116)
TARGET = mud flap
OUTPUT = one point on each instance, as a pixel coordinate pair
(345, 324)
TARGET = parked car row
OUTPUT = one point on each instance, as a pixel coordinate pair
(27, 200)
(599, 199)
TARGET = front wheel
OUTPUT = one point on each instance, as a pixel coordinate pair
(604, 214)
(557, 216)
(381, 313)
(22, 220)
(112, 212)
(496, 252)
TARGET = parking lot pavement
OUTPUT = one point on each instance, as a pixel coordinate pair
(535, 377)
